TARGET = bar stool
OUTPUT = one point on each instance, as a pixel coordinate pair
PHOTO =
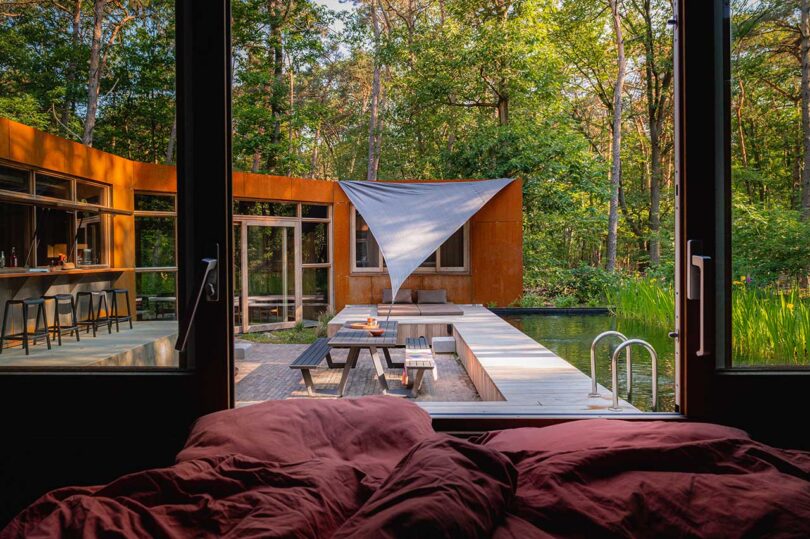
(116, 317)
(58, 329)
(94, 317)
(23, 336)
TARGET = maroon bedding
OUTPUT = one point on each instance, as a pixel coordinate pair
(374, 467)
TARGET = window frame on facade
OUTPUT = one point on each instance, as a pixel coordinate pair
(245, 220)
(159, 214)
(71, 207)
(381, 269)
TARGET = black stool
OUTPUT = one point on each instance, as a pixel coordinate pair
(58, 329)
(116, 317)
(94, 318)
(24, 335)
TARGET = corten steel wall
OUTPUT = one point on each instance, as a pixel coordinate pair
(495, 274)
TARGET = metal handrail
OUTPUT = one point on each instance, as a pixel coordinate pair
(615, 377)
(594, 392)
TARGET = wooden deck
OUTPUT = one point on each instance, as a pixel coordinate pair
(512, 372)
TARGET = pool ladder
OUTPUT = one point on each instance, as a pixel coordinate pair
(625, 345)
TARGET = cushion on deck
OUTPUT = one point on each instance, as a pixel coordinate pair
(431, 296)
(403, 296)
(398, 309)
(436, 309)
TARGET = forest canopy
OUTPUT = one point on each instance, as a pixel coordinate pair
(573, 96)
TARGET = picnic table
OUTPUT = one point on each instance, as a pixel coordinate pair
(358, 339)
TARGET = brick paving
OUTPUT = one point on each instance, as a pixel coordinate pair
(266, 374)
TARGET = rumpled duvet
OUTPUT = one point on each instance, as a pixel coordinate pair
(374, 467)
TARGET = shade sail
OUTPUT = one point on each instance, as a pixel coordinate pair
(411, 220)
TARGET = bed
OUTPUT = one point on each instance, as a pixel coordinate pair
(374, 467)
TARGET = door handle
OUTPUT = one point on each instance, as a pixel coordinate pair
(699, 278)
(210, 287)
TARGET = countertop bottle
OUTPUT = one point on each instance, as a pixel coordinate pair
(2, 259)
(13, 258)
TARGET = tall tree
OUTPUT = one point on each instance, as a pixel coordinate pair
(374, 128)
(805, 91)
(616, 141)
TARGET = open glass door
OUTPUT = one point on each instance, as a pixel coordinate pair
(269, 288)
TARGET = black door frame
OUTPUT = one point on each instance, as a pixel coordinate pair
(764, 400)
(81, 427)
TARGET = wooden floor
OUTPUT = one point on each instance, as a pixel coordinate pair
(512, 372)
(148, 344)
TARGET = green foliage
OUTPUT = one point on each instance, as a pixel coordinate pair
(297, 335)
(323, 323)
(584, 285)
(769, 243)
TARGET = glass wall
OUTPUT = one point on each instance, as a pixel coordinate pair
(52, 220)
(155, 256)
(770, 155)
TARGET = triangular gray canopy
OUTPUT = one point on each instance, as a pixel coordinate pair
(411, 220)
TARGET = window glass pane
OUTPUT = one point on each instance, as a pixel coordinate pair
(314, 211)
(271, 274)
(430, 262)
(53, 235)
(13, 179)
(367, 252)
(770, 292)
(315, 292)
(15, 233)
(264, 209)
(156, 295)
(453, 250)
(154, 242)
(314, 243)
(150, 202)
(49, 186)
(90, 193)
(89, 239)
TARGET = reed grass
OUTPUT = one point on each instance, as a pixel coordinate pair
(769, 326)
(650, 301)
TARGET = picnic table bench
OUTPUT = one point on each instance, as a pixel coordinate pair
(418, 358)
(311, 358)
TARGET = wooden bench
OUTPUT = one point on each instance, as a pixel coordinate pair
(418, 358)
(311, 358)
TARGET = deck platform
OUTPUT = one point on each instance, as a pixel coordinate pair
(512, 372)
(148, 344)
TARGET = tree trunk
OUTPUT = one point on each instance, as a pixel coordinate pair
(94, 78)
(172, 141)
(276, 54)
(805, 33)
(76, 37)
(655, 197)
(503, 110)
(313, 162)
(616, 150)
(373, 127)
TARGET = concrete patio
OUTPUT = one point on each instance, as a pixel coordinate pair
(148, 344)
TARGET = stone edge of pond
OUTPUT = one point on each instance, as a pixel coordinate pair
(507, 311)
